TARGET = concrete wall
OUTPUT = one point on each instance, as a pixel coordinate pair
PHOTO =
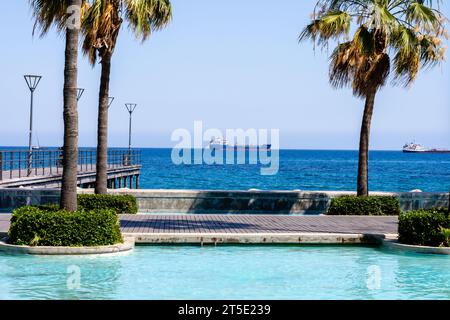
(190, 201)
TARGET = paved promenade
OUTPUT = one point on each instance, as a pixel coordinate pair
(236, 224)
(248, 224)
(257, 229)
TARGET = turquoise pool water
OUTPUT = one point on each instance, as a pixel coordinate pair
(229, 272)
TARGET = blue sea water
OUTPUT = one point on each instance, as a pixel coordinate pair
(304, 170)
(229, 272)
(300, 169)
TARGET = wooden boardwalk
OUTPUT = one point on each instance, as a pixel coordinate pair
(248, 224)
(46, 168)
(50, 177)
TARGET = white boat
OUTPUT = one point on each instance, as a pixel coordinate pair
(223, 144)
(418, 148)
(414, 147)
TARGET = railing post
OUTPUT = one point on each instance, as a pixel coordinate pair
(1, 166)
(58, 154)
(20, 165)
(43, 162)
(11, 164)
(50, 161)
(36, 162)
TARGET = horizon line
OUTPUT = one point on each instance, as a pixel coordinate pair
(168, 148)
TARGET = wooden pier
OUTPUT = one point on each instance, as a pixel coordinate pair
(43, 168)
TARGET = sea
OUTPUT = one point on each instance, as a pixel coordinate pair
(302, 170)
(298, 170)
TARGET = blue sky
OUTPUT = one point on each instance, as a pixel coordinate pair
(231, 64)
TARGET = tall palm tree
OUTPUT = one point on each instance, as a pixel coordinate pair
(65, 14)
(390, 36)
(101, 26)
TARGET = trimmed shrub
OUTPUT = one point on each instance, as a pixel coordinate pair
(36, 226)
(119, 203)
(365, 206)
(424, 227)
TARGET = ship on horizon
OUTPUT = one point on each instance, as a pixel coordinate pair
(418, 148)
(222, 144)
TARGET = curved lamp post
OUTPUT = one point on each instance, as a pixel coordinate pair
(32, 83)
(130, 107)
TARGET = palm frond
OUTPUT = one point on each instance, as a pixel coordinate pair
(423, 17)
(100, 26)
(47, 14)
(411, 31)
(146, 16)
(331, 25)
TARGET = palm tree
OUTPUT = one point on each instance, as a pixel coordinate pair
(101, 26)
(63, 14)
(390, 36)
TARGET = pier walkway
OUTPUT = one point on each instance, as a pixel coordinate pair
(43, 168)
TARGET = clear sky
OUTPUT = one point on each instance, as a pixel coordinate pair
(229, 63)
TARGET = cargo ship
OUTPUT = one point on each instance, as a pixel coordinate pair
(418, 148)
(222, 144)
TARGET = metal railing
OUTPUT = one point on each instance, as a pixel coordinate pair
(16, 164)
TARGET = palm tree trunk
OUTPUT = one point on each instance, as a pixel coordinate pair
(363, 164)
(102, 128)
(70, 149)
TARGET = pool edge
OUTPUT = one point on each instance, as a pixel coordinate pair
(258, 238)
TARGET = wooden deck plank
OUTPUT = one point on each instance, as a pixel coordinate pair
(236, 224)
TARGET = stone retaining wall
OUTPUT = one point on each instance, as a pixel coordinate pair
(191, 201)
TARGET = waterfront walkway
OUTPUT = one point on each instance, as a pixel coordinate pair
(249, 228)
(51, 177)
(257, 224)
(45, 168)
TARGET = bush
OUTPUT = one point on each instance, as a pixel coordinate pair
(424, 227)
(37, 226)
(365, 206)
(119, 203)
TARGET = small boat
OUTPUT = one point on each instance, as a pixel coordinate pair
(222, 144)
(38, 147)
(418, 148)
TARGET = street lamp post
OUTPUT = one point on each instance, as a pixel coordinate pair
(32, 83)
(130, 107)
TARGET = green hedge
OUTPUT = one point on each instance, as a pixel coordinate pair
(365, 206)
(119, 203)
(424, 227)
(40, 226)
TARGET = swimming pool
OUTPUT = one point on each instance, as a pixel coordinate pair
(229, 272)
